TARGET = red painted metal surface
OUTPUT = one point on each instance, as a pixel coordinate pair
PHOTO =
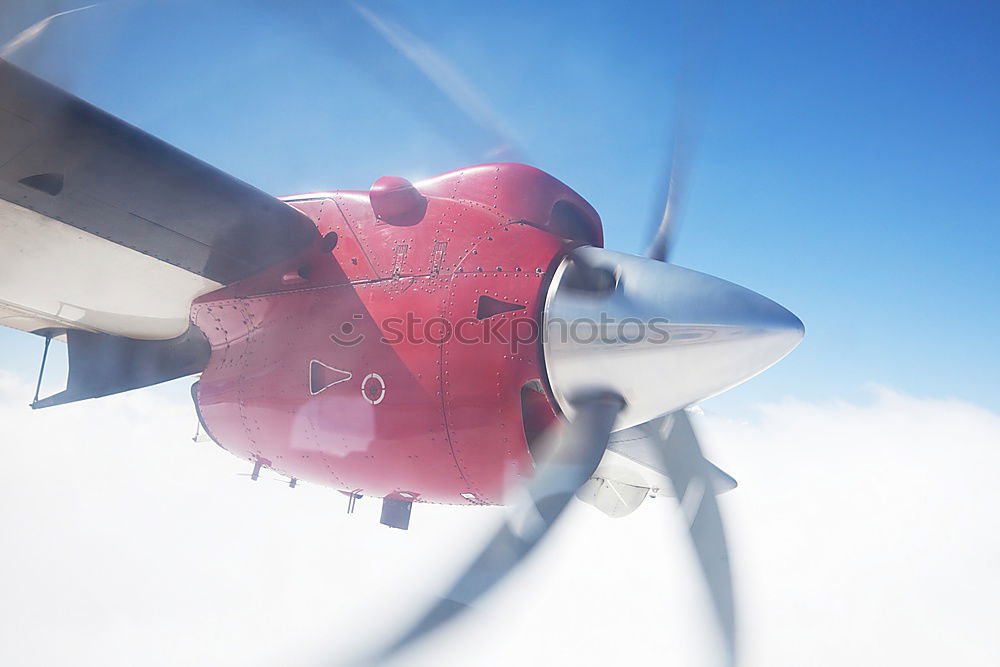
(366, 368)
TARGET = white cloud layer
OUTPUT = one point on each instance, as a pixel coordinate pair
(861, 535)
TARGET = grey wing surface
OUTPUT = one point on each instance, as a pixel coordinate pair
(105, 228)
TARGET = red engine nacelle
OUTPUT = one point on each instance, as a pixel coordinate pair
(394, 363)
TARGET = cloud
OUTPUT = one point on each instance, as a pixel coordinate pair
(867, 534)
(861, 534)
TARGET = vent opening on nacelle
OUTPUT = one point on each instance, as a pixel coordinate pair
(569, 222)
(488, 307)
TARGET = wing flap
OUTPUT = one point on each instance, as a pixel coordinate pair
(54, 275)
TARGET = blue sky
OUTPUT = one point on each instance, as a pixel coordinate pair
(847, 165)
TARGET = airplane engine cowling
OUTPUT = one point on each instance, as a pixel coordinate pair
(394, 365)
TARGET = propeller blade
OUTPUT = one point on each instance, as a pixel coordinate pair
(448, 80)
(699, 37)
(570, 465)
(666, 228)
(692, 478)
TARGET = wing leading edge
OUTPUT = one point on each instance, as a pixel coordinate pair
(106, 228)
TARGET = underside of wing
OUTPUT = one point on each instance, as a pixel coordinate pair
(631, 468)
(104, 228)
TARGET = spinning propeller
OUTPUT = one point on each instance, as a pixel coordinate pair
(713, 335)
(718, 335)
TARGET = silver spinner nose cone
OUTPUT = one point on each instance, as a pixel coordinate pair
(661, 336)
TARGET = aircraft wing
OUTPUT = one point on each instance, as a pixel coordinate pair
(105, 228)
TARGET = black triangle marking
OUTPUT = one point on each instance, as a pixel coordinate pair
(488, 307)
(323, 377)
(50, 184)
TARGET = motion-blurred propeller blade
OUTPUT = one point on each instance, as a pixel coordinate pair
(570, 465)
(691, 475)
(699, 36)
(447, 79)
(666, 228)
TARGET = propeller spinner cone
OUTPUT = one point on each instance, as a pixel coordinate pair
(659, 335)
